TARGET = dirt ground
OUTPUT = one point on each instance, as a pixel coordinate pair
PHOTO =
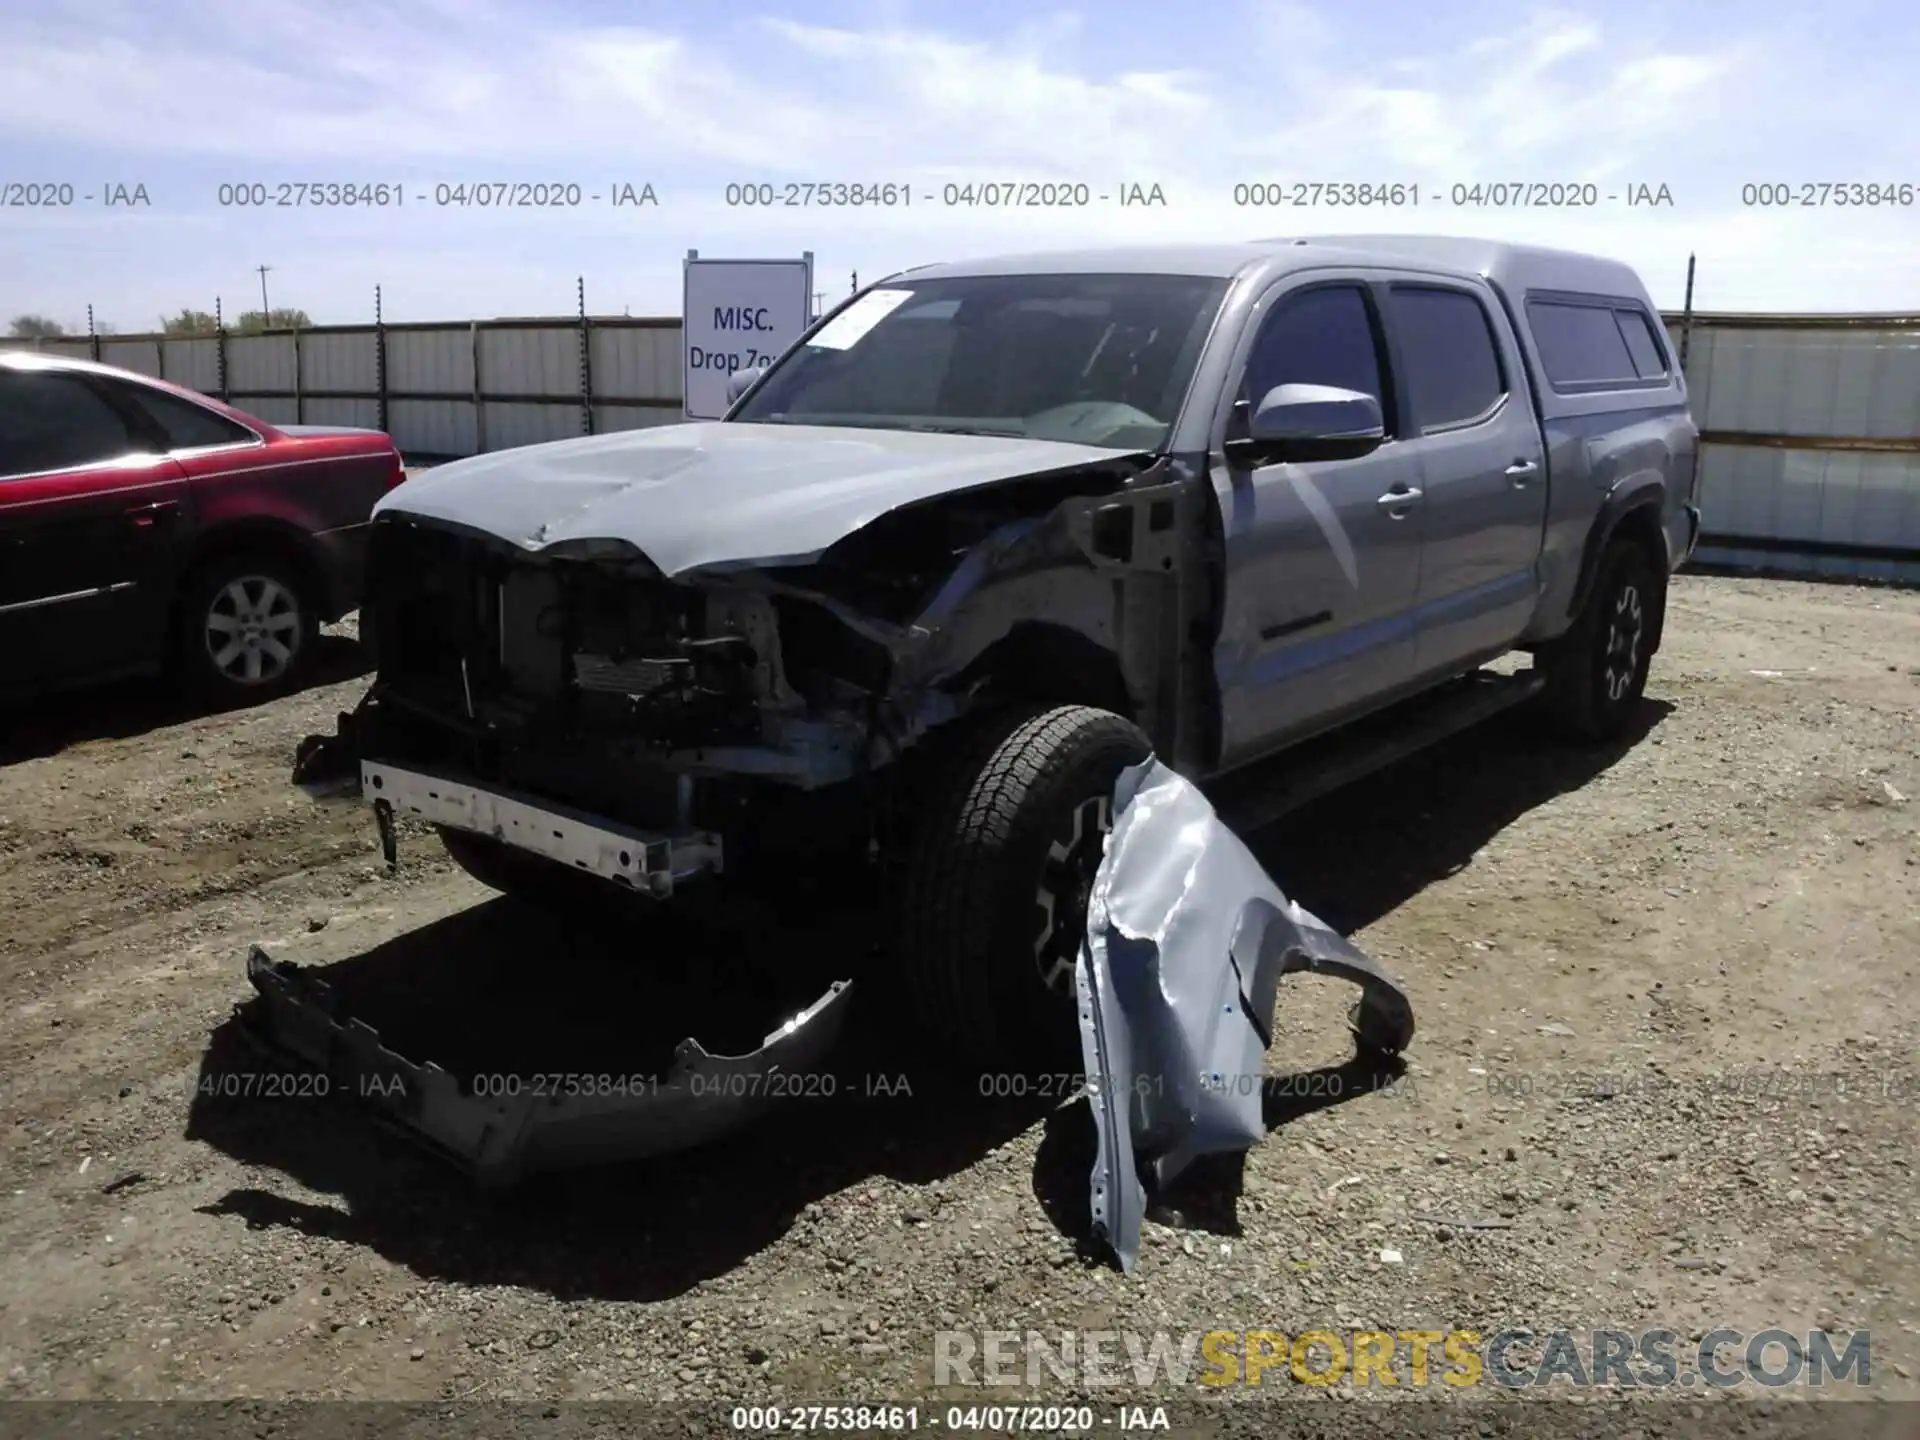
(1666, 1073)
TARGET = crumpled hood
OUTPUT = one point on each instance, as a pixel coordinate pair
(713, 494)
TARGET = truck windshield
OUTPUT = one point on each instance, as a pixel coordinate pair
(1094, 359)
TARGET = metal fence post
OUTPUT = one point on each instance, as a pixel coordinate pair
(1686, 318)
(686, 277)
(586, 362)
(299, 382)
(479, 397)
(380, 358)
(220, 347)
(93, 339)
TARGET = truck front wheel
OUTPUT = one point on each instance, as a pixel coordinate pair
(992, 911)
(1597, 672)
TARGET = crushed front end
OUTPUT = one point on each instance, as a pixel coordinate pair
(577, 706)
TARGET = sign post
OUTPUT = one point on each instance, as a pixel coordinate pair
(737, 315)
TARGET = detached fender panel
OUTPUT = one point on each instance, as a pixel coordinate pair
(1187, 941)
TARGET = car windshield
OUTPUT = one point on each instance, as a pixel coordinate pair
(1093, 359)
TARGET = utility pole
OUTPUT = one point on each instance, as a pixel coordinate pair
(264, 310)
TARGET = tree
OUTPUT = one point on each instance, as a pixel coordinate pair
(190, 322)
(36, 327)
(252, 322)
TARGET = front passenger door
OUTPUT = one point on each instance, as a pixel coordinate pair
(88, 518)
(1322, 558)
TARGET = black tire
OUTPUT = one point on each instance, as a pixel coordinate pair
(993, 905)
(1597, 672)
(238, 613)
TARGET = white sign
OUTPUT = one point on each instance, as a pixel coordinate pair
(738, 315)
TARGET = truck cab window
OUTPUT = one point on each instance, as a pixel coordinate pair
(1321, 337)
(1452, 368)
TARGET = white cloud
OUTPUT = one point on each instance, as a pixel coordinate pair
(356, 82)
(476, 89)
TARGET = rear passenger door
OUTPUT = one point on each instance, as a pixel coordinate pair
(1322, 558)
(1481, 465)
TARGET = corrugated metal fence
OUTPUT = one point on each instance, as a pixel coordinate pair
(1811, 455)
(1811, 461)
(440, 390)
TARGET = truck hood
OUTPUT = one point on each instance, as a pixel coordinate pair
(710, 494)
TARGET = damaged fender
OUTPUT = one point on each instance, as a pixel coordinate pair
(499, 1139)
(1187, 941)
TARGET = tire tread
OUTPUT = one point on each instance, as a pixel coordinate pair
(975, 814)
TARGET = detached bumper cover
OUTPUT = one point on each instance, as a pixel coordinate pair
(1187, 941)
(499, 1139)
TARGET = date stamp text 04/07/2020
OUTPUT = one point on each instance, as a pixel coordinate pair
(237, 1085)
(981, 194)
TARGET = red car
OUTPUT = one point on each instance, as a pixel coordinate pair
(145, 527)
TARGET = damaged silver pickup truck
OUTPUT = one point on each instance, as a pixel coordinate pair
(1001, 550)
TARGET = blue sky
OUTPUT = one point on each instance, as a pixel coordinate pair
(184, 96)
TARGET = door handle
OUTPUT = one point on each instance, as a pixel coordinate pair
(146, 515)
(1400, 499)
(1521, 471)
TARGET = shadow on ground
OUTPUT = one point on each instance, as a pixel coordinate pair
(36, 729)
(1360, 854)
(504, 989)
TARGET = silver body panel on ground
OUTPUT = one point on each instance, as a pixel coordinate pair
(501, 1139)
(1187, 941)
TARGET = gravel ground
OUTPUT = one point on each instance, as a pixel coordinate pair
(1608, 956)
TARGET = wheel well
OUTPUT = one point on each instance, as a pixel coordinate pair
(281, 542)
(1043, 662)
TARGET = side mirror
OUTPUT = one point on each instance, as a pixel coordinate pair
(738, 382)
(1310, 422)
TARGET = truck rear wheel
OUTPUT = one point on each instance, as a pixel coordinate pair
(993, 909)
(1597, 672)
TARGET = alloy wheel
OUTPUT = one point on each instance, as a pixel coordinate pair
(1066, 885)
(253, 630)
(1625, 629)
